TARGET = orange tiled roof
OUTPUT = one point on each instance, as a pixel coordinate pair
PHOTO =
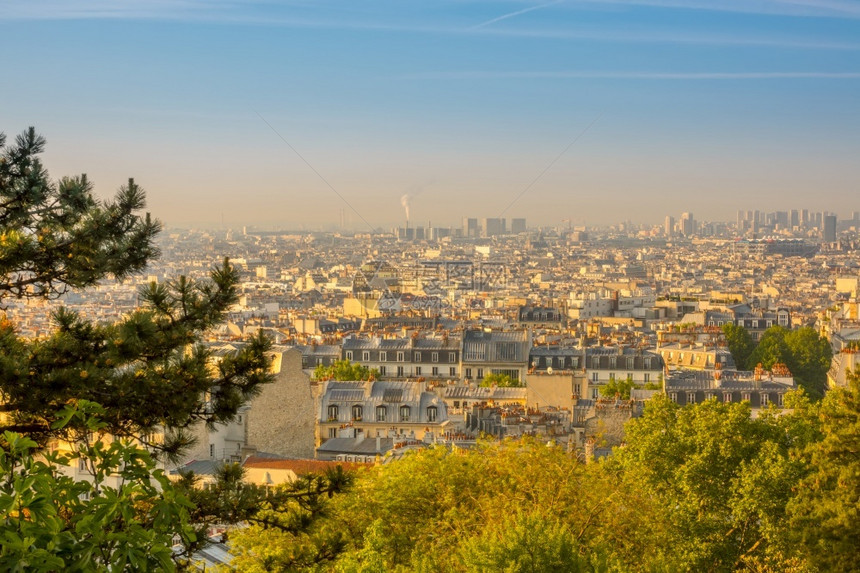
(299, 467)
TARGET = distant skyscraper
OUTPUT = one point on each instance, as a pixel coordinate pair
(491, 226)
(804, 217)
(688, 226)
(829, 228)
(518, 226)
(470, 227)
(794, 218)
(669, 227)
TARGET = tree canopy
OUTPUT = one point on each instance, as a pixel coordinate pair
(148, 371)
(704, 487)
(806, 354)
(740, 343)
(112, 397)
(344, 370)
(500, 380)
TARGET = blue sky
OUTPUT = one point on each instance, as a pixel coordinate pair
(274, 113)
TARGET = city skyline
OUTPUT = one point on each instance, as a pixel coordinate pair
(594, 112)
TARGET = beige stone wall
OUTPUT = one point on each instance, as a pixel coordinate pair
(607, 427)
(549, 390)
(281, 418)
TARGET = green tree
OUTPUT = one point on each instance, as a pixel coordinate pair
(525, 543)
(722, 480)
(771, 349)
(811, 355)
(806, 354)
(124, 518)
(286, 529)
(148, 371)
(740, 343)
(118, 394)
(500, 380)
(344, 370)
(825, 514)
(620, 388)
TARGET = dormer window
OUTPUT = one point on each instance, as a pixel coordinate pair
(404, 413)
(432, 411)
(357, 412)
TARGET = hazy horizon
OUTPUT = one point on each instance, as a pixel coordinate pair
(282, 114)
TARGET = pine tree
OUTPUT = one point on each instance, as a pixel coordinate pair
(148, 371)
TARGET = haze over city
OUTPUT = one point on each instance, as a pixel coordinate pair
(283, 114)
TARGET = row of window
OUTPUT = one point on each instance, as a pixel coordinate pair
(418, 371)
(615, 362)
(595, 376)
(401, 356)
(727, 397)
(357, 412)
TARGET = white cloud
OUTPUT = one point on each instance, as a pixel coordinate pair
(627, 75)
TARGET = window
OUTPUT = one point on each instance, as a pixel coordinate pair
(765, 399)
(435, 371)
(356, 412)
(381, 412)
(431, 414)
(468, 372)
(319, 361)
(746, 396)
(401, 357)
(594, 376)
(779, 398)
(434, 357)
(404, 413)
(727, 396)
(332, 413)
(383, 356)
(418, 371)
(577, 389)
(211, 452)
(452, 371)
(691, 397)
(647, 377)
(416, 357)
(365, 355)
(382, 370)
(594, 393)
(480, 373)
(332, 432)
(452, 357)
(673, 396)
(400, 370)
(349, 355)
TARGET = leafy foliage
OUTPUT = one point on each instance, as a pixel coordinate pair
(699, 488)
(806, 354)
(344, 370)
(618, 388)
(500, 380)
(57, 235)
(740, 343)
(123, 518)
(825, 513)
(147, 371)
